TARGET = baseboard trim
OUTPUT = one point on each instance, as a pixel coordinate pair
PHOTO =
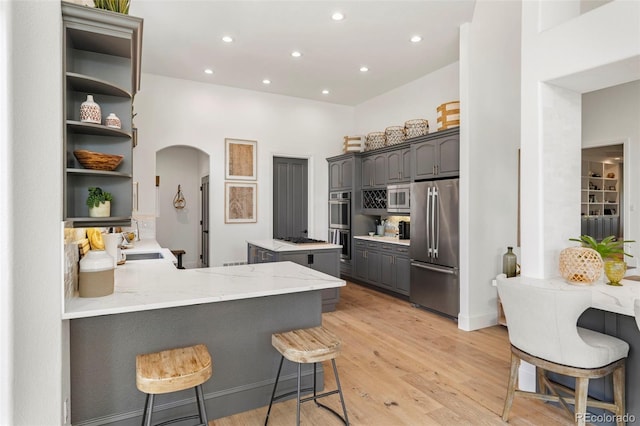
(218, 404)
(477, 322)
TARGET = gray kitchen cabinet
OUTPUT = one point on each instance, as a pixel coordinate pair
(325, 260)
(395, 268)
(383, 265)
(437, 157)
(399, 166)
(374, 170)
(101, 57)
(341, 173)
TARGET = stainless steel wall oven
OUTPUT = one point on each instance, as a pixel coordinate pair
(340, 210)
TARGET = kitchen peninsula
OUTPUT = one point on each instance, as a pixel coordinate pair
(233, 310)
(318, 255)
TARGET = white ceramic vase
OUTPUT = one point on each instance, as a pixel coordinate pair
(90, 111)
(103, 210)
(112, 120)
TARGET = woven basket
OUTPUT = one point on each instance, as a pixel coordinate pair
(394, 135)
(580, 265)
(415, 128)
(449, 115)
(353, 144)
(376, 140)
(98, 161)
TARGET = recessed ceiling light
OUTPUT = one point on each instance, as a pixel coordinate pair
(227, 39)
(416, 38)
(266, 81)
(337, 16)
(208, 71)
(325, 92)
(364, 69)
(296, 54)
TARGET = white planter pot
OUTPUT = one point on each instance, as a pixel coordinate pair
(103, 210)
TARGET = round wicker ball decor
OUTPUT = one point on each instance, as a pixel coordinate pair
(580, 265)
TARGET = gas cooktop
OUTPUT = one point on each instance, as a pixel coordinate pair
(300, 240)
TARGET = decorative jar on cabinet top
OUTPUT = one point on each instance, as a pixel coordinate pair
(90, 111)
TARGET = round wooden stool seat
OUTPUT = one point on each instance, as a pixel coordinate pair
(173, 369)
(307, 345)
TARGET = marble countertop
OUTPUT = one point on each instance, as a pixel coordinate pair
(283, 246)
(380, 239)
(156, 284)
(619, 300)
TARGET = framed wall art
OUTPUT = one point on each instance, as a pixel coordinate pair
(240, 159)
(241, 202)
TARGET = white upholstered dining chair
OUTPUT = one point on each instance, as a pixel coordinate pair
(543, 331)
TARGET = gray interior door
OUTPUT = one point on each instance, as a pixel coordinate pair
(204, 222)
(289, 197)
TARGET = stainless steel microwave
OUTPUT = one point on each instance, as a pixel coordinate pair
(398, 198)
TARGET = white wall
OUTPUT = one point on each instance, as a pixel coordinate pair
(418, 99)
(490, 126)
(33, 194)
(6, 290)
(602, 40)
(180, 112)
(609, 116)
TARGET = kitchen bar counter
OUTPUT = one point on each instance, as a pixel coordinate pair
(380, 239)
(611, 313)
(233, 310)
(154, 284)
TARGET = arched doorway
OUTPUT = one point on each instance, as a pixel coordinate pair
(181, 228)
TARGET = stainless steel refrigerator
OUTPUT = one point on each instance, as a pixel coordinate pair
(434, 246)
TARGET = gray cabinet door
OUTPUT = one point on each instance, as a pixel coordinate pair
(346, 171)
(403, 271)
(362, 268)
(367, 172)
(341, 174)
(387, 270)
(373, 266)
(335, 176)
(406, 164)
(380, 170)
(448, 157)
(424, 163)
(394, 166)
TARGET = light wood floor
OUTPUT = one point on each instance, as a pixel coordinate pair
(405, 366)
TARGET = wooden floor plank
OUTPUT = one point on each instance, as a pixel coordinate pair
(402, 365)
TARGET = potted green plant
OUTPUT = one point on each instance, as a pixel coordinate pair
(612, 252)
(120, 6)
(99, 202)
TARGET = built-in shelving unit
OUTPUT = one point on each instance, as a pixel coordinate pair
(101, 57)
(600, 189)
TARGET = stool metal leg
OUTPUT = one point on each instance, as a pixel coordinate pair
(344, 407)
(201, 408)
(298, 397)
(273, 394)
(148, 410)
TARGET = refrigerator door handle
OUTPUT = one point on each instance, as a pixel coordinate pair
(435, 222)
(427, 222)
(450, 271)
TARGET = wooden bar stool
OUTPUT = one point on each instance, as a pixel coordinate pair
(171, 371)
(305, 346)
